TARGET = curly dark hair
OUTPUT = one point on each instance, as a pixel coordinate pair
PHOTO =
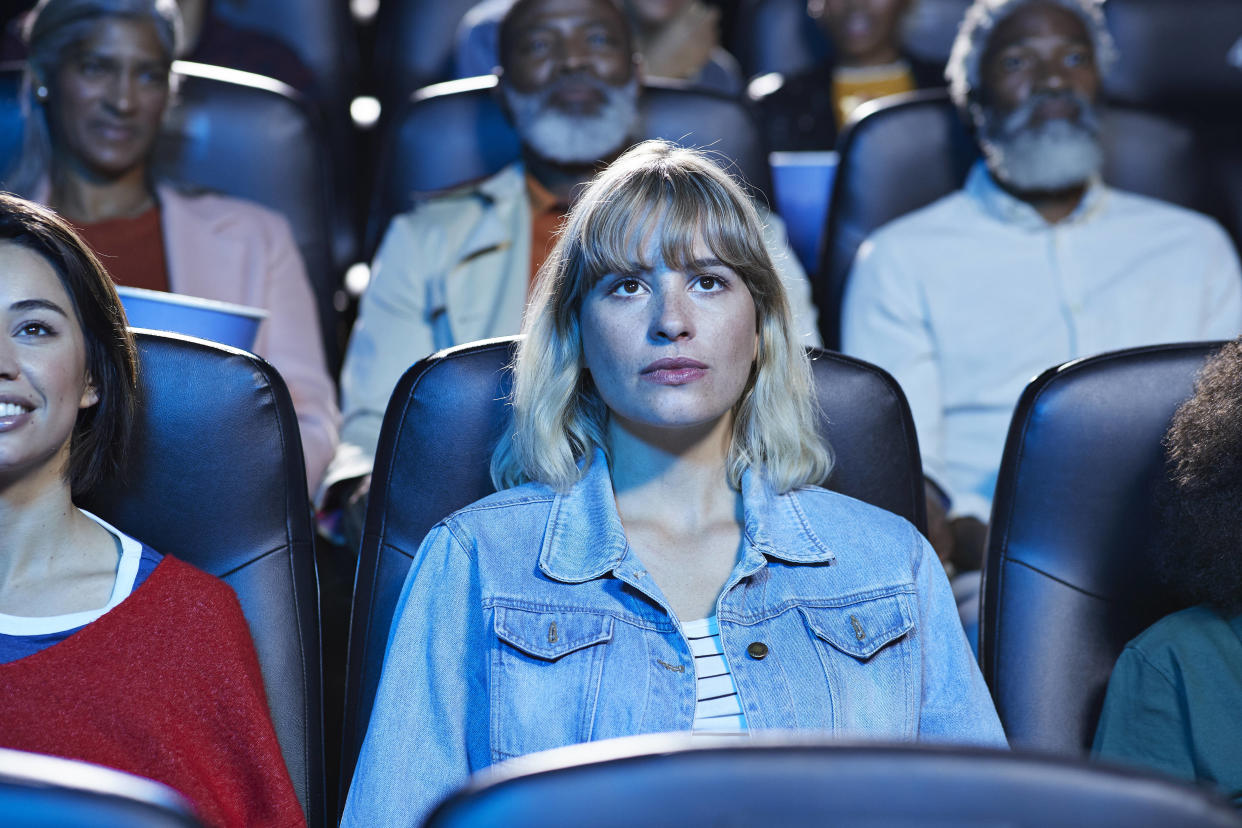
(1200, 550)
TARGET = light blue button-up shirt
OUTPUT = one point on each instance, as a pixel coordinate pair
(968, 299)
(527, 623)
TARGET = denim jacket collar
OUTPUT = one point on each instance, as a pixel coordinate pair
(775, 526)
(1011, 210)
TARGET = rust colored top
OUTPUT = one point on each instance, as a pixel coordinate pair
(132, 249)
(546, 214)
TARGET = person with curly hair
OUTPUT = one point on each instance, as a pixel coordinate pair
(1173, 696)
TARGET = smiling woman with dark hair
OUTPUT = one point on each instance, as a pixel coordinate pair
(109, 652)
(660, 556)
(1173, 698)
(98, 82)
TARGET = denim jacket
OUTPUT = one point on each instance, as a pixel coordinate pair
(527, 622)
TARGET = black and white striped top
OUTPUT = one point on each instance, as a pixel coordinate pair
(716, 709)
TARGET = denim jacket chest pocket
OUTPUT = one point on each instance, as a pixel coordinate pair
(545, 677)
(870, 657)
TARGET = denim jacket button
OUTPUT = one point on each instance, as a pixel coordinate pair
(757, 650)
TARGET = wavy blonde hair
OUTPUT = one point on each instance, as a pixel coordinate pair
(558, 418)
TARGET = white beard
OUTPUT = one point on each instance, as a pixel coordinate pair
(575, 139)
(1054, 155)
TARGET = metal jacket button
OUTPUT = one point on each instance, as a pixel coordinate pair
(757, 650)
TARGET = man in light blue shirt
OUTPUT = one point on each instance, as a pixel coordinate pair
(1035, 262)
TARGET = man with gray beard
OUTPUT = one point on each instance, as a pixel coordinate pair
(1035, 262)
(459, 266)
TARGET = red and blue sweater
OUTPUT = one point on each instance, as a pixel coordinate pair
(165, 685)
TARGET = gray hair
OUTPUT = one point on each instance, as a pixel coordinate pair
(53, 28)
(965, 60)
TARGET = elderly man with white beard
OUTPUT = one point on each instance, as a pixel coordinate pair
(1033, 263)
(459, 267)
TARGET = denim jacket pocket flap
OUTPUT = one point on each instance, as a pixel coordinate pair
(861, 629)
(551, 634)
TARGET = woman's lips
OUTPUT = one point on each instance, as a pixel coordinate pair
(674, 371)
(13, 414)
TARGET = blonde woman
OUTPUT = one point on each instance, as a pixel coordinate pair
(659, 557)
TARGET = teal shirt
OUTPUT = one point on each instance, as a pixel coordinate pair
(1173, 700)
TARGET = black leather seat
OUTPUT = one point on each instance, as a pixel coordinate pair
(906, 151)
(416, 159)
(435, 448)
(666, 782)
(1189, 68)
(414, 45)
(1171, 60)
(320, 33)
(44, 791)
(779, 36)
(1065, 585)
(241, 135)
(216, 478)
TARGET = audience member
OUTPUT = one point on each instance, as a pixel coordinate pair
(1034, 263)
(98, 85)
(664, 533)
(459, 267)
(1173, 698)
(677, 39)
(109, 652)
(806, 111)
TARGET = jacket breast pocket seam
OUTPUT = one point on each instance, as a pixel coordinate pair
(829, 624)
(509, 655)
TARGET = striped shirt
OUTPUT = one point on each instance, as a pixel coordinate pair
(716, 708)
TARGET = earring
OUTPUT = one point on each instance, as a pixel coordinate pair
(41, 93)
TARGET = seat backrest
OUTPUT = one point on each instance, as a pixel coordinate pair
(320, 33)
(435, 448)
(414, 45)
(1065, 583)
(667, 781)
(242, 135)
(903, 152)
(779, 36)
(416, 160)
(216, 478)
(39, 791)
(1170, 60)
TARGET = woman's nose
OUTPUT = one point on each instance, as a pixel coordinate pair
(673, 317)
(8, 360)
(121, 94)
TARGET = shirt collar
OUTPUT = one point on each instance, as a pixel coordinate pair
(1001, 205)
(542, 200)
(585, 540)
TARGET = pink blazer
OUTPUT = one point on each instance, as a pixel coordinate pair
(236, 251)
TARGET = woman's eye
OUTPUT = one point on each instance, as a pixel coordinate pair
(1013, 63)
(627, 287)
(708, 283)
(154, 77)
(34, 329)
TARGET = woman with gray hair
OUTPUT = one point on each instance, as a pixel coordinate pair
(660, 556)
(97, 85)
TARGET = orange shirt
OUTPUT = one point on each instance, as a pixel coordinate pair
(132, 249)
(546, 214)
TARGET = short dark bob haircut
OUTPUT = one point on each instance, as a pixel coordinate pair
(101, 435)
(1200, 548)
